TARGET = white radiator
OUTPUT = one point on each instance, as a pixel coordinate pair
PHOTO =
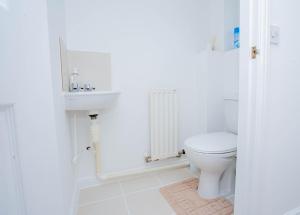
(163, 123)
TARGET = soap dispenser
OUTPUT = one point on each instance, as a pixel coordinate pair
(74, 85)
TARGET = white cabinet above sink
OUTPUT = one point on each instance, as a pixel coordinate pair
(86, 101)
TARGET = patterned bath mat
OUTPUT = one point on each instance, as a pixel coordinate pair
(184, 199)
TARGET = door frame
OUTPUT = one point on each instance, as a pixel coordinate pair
(254, 73)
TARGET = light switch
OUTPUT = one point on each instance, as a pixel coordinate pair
(275, 35)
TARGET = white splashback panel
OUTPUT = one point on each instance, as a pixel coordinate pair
(94, 68)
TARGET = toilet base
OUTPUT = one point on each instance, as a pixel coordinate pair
(213, 185)
(208, 187)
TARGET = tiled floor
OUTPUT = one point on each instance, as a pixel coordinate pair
(137, 195)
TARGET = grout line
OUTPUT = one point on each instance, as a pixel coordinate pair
(98, 201)
(143, 190)
(123, 194)
(160, 181)
(91, 186)
(156, 187)
(124, 198)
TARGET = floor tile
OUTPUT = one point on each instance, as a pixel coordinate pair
(98, 193)
(175, 175)
(114, 206)
(149, 202)
(140, 183)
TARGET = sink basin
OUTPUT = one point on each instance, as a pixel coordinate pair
(95, 100)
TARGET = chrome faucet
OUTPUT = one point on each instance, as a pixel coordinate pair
(87, 87)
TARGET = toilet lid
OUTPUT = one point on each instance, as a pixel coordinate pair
(213, 143)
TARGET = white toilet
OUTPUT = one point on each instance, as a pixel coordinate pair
(215, 155)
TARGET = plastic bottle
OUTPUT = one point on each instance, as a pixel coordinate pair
(236, 40)
(74, 85)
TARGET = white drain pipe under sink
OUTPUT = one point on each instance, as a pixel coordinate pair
(95, 138)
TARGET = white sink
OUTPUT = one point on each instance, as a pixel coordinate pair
(95, 100)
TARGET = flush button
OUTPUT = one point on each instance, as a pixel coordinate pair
(275, 35)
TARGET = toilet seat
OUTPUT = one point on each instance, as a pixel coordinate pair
(213, 143)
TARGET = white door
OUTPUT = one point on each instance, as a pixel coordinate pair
(268, 168)
(11, 197)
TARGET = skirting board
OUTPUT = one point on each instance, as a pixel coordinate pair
(115, 175)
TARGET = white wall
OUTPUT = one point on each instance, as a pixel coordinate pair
(281, 160)
(216, 24)
(26, 82)
(153, 44)
(56, 23)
